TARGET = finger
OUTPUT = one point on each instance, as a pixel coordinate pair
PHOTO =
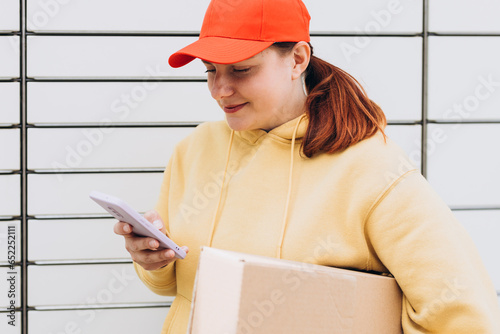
(156, 265)
(154, 217)
(122, 228)
(139, 244)
(145, 243)
(148, 257)
(152, 260)
(151, 244)
(158, 224)
(161, 265)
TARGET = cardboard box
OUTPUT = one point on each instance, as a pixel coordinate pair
(249, 294)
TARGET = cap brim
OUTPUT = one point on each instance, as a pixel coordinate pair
(218, 50)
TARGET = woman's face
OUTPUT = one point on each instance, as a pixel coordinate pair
(261, 92)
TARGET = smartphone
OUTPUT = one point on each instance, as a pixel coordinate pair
(140, 225)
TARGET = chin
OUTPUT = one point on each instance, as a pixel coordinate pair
(238, 124)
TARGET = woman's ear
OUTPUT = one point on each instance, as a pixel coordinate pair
(301, 55)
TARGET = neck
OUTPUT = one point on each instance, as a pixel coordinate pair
(295, 107)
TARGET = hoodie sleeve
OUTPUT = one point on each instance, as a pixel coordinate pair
(417, 238)
(161, 281)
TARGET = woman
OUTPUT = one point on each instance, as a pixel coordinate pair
(301, 161)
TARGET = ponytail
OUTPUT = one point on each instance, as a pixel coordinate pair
(339, 111)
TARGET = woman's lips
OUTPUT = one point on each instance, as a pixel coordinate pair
(233, 108)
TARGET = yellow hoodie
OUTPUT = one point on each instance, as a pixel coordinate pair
(365, 208)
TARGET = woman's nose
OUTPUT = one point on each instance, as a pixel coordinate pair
(221, 87)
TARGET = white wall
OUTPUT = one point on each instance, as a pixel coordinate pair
(379, 42)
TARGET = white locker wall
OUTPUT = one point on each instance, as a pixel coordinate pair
(88, 101)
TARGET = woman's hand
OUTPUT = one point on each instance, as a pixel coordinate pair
(144, 250)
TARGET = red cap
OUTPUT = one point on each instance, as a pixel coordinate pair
(235, 30)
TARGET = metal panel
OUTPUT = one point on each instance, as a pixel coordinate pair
(67, 194)
(106, 57)
(465, 78)
(102, 147)
(385, 66)
(116, 15)
(9, 57)
(9, 15)
(463, 163)
(10, 194)
(484, 228)
(120, 102)
(98, 321)
(366, 16)
(480, 16)
(81, 239)
(9, 149)
(9, 103)
(85, 285)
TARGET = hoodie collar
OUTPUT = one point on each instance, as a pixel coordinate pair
(283, 132)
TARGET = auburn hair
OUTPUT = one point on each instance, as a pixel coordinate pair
(339, 111)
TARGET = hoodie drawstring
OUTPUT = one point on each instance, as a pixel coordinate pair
(289, 194)
(212, 228)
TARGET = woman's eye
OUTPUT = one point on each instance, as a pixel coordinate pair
(209, 71)
(242, 70)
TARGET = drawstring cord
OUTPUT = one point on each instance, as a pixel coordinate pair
(212, 228)
(289, 194)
